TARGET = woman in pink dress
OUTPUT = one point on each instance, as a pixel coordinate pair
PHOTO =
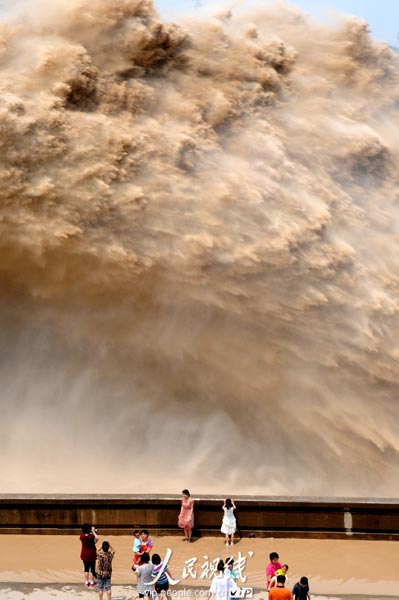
(186, 516)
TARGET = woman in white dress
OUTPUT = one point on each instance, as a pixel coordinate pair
(229, 524)
(221, 586)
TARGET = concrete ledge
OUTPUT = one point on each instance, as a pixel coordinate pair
(259, 516)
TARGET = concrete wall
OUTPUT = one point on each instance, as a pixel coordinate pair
(260, 516)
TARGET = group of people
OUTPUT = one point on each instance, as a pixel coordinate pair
(149, 570)
(276, 582)
(223, 582)
(153, 575)
(97, 565)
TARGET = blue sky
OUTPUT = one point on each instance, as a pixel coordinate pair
(382, 15)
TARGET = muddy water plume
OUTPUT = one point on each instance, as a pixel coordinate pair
(199, 261)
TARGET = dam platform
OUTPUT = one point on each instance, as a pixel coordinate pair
(257, 516)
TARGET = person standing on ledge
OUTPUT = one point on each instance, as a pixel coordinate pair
(88, 554)
(229, 524)
(186, 516)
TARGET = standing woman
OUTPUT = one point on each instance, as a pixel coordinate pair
(88, 554)
(229, 524)
(222, 587)
(186, 516)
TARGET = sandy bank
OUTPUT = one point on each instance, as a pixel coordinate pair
(335, 567)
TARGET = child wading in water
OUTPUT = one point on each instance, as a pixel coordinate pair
(229, 524)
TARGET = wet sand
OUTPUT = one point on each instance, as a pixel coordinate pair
(51, 568)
